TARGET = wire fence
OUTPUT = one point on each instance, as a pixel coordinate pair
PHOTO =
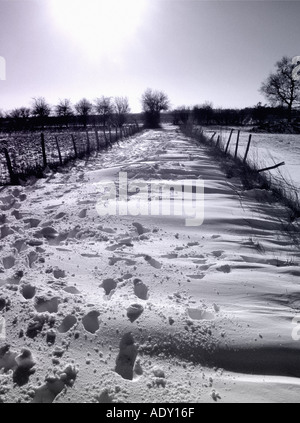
(26, 154)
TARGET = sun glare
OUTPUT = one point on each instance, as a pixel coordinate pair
(98, 26)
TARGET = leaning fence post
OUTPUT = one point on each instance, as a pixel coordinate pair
(74, 146)
(58, 150)
(43, 150)
(237, 144)
(14, 180)
(213, 136)
(228, 143)
(248, 148)
(218, 141)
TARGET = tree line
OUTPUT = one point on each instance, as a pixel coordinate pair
(104, 111)
(281, 89)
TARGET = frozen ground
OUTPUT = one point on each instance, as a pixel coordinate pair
(140, 309)
(269, 148)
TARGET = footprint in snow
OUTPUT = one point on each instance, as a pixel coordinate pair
(90, 321)
(68, 322)
(141, 290)
(225, 269)
(134, 312)
(28, 291)
(154, 263)
(127, 356)
(109, 285)
(82, 214)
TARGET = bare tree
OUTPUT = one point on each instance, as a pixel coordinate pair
(282, 87)
(84, 109)
(104, 108)
(20, 113)
(64, 110)
(121, 108)
(40, 108)
(154, 102)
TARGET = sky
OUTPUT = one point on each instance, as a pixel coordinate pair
(193, 50)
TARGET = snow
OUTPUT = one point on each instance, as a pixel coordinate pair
(145, 308)
(267, 149)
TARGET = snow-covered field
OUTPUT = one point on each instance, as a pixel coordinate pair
(267, 149)
(146, 309)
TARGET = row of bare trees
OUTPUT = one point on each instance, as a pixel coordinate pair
(112, 111)
(109, 111)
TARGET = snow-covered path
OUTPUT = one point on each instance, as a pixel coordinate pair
(141, 309)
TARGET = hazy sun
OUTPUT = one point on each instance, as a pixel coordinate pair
(98, 26)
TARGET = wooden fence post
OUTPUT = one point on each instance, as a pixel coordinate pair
(109, 130)
(88, 145)
(218, 141)
(228, 143)
(248, 148)
(44, 150)
(237, 144)
(74, 146)
(14, 180)
(213, 136)
(105, 137)
(58, 150)
(97, 139)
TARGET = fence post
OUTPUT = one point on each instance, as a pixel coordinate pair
(43, 150)
(213, 136)
(228, 143)
(117, 134)
(88, 146)
(97, 139)
(14, 180)
(74, 146)
(109, 130)
(248, 148)
(58, 150)
(218, 141)
(106, 141)
(237, 144)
